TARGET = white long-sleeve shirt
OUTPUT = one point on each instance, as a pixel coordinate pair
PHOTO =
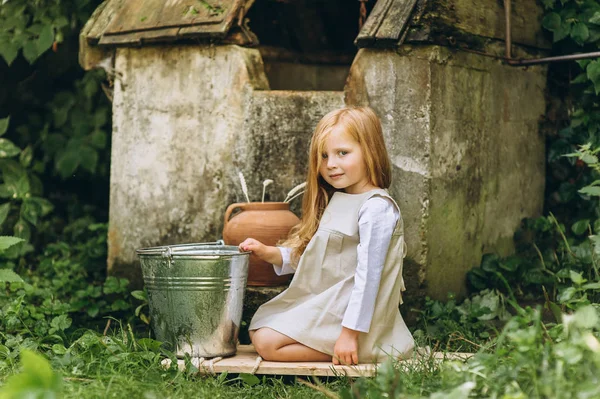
(377, 219)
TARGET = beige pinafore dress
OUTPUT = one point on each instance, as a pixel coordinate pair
(311, 310)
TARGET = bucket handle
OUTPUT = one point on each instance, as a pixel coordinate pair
(233, 207)
(169, 250)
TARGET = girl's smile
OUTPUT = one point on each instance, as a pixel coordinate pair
(342, 163)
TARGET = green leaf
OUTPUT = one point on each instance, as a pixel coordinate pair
(22, 186)
(4, 125)
(44, 205)
(589, 158)
(577, 278)
(9, 51)
(8, 241)
(89, 158)
(591, 286)
(30, 51)
(249, 379)
(99, 138)
(595, 19)
(30, 211)
(8, 276)
(37, 380)
(590, 190)
(581, 226)
(59, 349)
(586, 317)
(150, 344)
(489, 263)
(67, 163)
(551, 21)
(139, 294)
(593, 73)
(46, 38)
(562, 32)
(8, 149)
(581, 78)
(22, 230)
(580, 33)
(61, 322)
(26, 156)
(4, 209)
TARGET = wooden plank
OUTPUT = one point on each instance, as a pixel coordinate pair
(101, 18)
(484, 18)
(396, 20)
(158, 14)
(366, 36)
(245, 361)
(138, 38)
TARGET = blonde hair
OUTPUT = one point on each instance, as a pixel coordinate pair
(363, 125)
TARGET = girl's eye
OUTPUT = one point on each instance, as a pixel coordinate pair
(343, 153)
(324, 156)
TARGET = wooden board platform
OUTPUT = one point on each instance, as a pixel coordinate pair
(245, 361)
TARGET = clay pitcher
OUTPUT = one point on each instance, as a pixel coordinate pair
(268, 222)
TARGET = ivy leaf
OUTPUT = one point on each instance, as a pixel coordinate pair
(552, 22)
(9, 51)
(8, 241)
(4, 125)
(580, 33)
(67, 163)
(30, 51)
(593, 73)
(8, 149)
(580, 226)
(98, 138)
(8, 276)
(562, 32)
(548, 4)
(45, 39)
(89, 158)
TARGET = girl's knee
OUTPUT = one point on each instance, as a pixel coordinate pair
(263, 344)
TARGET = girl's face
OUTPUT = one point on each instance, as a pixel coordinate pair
(342, 163)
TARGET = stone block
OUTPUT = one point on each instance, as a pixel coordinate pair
(462, 130)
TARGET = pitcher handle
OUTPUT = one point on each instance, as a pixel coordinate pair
(233, 207)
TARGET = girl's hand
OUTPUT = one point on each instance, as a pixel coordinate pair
(267, 253)
(250, 244)
(345, 350)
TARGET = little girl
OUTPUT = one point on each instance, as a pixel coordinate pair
(346, 253)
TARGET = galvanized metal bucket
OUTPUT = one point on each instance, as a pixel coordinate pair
(195, 295)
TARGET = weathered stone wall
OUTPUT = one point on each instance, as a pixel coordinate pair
(177, 114)
(186, 120)
(462, 130)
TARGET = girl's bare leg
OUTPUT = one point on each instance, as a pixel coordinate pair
(274, 346)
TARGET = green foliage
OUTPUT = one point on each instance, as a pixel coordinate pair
(463, 327)
(37, 380)
(33, 27)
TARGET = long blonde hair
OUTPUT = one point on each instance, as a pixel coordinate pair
(365, 127)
